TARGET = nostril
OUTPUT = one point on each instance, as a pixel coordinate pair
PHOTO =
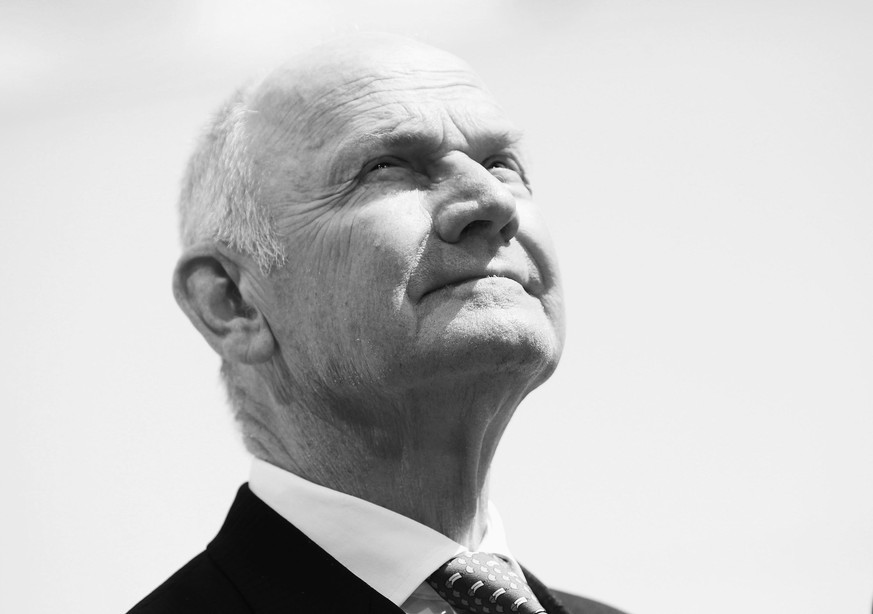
(510, 229)
(476, 227)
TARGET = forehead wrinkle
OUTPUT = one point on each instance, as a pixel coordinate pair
(349, 117)
(418, 130)
(297, 94)
(335, 98)
(411, 130)
(410, 80)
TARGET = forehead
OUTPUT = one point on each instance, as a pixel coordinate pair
(403, 103)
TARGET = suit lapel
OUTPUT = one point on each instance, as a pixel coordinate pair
(548, 599)
(277, 568)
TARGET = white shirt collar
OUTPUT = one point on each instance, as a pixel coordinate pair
(390, 552)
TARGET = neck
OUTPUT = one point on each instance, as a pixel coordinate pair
(426, 456)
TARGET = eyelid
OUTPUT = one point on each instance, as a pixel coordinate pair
(372, 165)
(507, 159)
(511, 164)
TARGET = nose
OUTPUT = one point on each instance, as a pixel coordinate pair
(472, 201)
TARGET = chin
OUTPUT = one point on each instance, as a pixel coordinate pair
(521, 347)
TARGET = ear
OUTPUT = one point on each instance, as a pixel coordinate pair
(206, 285)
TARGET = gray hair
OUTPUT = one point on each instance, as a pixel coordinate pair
(219, 199)
(220, 202)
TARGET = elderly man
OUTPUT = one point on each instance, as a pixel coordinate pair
(363, 252)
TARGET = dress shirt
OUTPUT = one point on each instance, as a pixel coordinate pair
(390, 552)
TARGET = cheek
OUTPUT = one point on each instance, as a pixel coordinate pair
(387, 239)
(534, 235)
(359, 254)
(537, 241)
(385, 242)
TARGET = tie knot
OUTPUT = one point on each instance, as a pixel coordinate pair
(483, 583)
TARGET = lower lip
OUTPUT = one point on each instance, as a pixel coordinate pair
(474, 283)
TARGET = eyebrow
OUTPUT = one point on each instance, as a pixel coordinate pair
(398, 137)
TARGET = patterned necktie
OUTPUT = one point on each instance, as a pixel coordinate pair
(482, 583)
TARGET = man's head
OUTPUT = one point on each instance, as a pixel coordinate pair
(360, 232)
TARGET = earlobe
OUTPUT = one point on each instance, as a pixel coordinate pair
(206, 285)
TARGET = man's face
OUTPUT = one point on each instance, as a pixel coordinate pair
(415, 252)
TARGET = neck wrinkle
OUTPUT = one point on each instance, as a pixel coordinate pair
(426, 456)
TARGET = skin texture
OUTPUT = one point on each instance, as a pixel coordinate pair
(420, 302)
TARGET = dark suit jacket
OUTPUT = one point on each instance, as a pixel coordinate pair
(261, 564)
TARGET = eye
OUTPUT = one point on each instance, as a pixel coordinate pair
(503, 161)
(504, 167)
(496, 163)
(382, 165)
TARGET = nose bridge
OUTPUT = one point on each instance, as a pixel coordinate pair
(471, 200)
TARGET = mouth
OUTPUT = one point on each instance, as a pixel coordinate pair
(458, 282)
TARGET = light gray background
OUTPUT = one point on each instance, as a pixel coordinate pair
(705, 446)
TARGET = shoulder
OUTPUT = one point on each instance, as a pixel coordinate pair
(199, 586)
(582, 605)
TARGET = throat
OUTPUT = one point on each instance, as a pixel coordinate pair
(427, 461)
